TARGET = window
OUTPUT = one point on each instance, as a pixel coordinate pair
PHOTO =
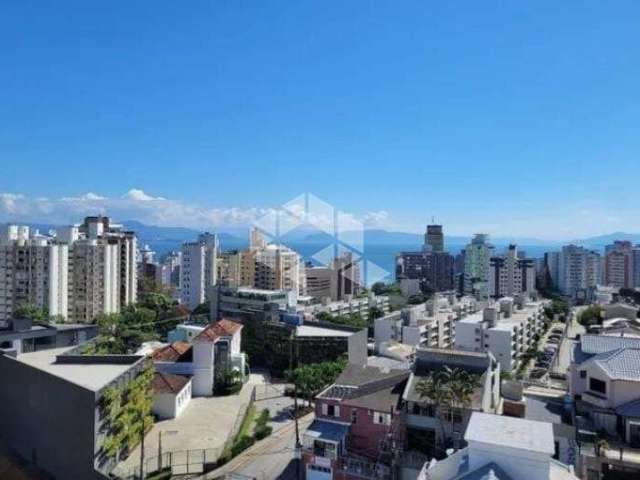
(596, 385)
(381, 418)
(354, 416)
(583, 374)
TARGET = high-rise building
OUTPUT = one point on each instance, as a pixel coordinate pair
(477, 256)
(434, 238)
(279, 268)
(618, 265)
(168, 273)
(578, 271)
(510, 275)
(198, 269)
(636, 266)
(79, 273)
(33, 270)
(335, 281)
(552, 269)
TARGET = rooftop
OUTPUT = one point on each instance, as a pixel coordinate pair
(168, 383)
(92, 376)
(314, 331)
(176, 352)
(510, 432)
(217, 330)
(595, 344)
(620, 364)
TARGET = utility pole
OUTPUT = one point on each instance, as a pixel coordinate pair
(293, 350)
(142, 446)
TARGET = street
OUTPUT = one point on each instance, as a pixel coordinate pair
(269, 459)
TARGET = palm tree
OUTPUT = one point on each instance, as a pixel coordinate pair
(433, 389)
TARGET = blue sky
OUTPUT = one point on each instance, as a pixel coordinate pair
(501, 117)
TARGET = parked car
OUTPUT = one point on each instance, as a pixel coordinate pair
(553, 341)
(557, 330)
(537, 373)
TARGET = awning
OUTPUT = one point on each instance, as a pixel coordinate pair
(327, 431)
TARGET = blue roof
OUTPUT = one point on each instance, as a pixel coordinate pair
(329, 431)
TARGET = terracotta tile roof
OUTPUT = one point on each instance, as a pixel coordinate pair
(176, 352)
(222, 328)
(168, 383)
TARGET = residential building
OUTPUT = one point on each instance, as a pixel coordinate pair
(552, 269)
(431, 427)
(636, 266)
(431, 324)
(358, 425)
(52, 411)
(477, 256)
(80, 272)
(618, 265)
(510, 275)
(33, 270)
(211, 353)
(604, 378)
(233, 302)
(349, 306)
(336, 281)
(430, 270)
(578, 271)
(502, 448)
(168, 273)
(198, 270)
(507, 329)
(279, 268)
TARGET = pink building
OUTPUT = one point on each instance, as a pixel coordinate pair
(358, 425)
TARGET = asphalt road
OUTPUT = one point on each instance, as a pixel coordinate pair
(270, 459)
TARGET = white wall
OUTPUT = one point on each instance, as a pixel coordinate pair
(169, 405)
(203, 358)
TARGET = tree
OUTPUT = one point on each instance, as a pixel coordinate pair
(592, 315)
(311, 379)
(32, 312)
(375, 312)
(452, 388)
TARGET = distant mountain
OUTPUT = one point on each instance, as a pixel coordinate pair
(601, 241)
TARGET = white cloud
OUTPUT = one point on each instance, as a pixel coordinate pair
(377, 219)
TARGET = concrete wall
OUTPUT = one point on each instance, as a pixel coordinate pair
(47, 420)
(203, 361)
(170, 405)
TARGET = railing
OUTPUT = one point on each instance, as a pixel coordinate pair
(179, 463)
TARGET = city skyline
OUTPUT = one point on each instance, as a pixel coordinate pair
(500, 120)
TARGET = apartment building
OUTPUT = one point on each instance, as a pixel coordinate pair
(511, 275)
(78, 273)
(279, 268)
(335, 281)
(431, 428)
(578, 271)
(198, 269)
(618, 265)
(431, 324)
(477, 256)
(507, 329)
(349, 306)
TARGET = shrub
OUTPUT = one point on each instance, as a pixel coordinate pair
(241, 445)
(262, 431)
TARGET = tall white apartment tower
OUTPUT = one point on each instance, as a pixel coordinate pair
(578, 270)
(198, 269)
(477, 256)
(511, 275)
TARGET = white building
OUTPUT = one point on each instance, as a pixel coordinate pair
(335, 281)
(279, 268)
(349, 306)
(431, 324)
(510, 275)
(502, 448)
(78, 273)
(171, 395)
(578, 271)
(604, 378)
(198, 269)
(477, 256)
(507, 329)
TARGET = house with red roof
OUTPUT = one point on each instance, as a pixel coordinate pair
(171, 394)
(214, 350)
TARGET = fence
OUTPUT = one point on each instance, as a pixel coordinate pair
(179, 462)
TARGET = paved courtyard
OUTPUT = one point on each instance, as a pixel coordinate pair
(204, 425)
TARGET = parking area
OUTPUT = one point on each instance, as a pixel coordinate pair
(549, 353)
